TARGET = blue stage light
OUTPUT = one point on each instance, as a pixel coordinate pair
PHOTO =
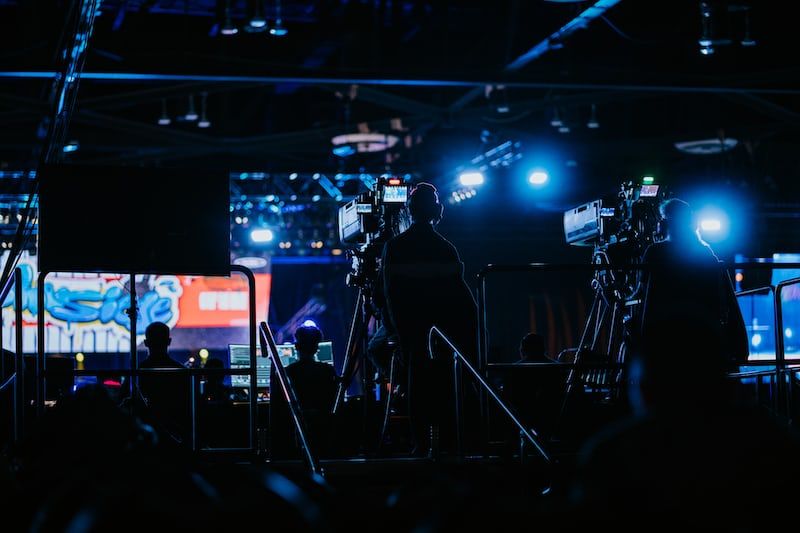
(471, 178)
(262, 235)
(309, 324)
(538, 177)
(710, 224)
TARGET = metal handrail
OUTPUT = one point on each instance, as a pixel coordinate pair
(529, 434)
(269, 347)
(9, 381)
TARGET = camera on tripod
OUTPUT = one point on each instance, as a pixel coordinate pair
(368, 221)
(620, 228)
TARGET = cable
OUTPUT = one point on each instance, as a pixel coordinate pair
(622, 33)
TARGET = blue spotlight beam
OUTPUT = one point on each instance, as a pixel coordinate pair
(393, 82)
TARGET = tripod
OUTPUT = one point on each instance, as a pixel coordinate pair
(606, 325)
(356, 360)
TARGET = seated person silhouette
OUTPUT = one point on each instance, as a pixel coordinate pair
(166, 395)
(215, 389)
(531, 349)
(314, 385)
(684, 275)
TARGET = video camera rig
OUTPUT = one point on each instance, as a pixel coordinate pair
(620, 228)
(368, 221)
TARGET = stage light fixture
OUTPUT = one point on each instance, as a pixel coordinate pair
(538, 177)
(563, 129)
(191, 115)
(648, 180)
(204, 122)
(706, 40)
(471, 178)
(556, 120)
(164, 119)
(278, 30)
(262, 235)
(293, 176)
(593, 124)
(71, 146)
(79, 357)
(228, 27)
(308, 323)
(203, 353)
(747, 39)
(315, 198)
(257, 21)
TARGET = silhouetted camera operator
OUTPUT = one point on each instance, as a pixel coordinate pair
(685, 275)
(424, 286)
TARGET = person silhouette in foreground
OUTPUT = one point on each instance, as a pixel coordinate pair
(424, 286)
(167, 395)
(693, 454)
(685, 274)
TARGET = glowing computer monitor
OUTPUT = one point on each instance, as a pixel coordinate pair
(239, 355)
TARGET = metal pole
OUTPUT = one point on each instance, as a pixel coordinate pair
(133, 316)
(193, 409)
(251, 281)
(39, 367)
(457, 404)
(780, 361)
(483, 360)
(19, 364)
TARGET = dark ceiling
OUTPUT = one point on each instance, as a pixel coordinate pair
(353, 65)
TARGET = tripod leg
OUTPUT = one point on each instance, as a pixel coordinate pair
(596, 315)
(353, 342)
(389, 397)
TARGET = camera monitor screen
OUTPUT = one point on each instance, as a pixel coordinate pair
(649, 191)
(395, 194)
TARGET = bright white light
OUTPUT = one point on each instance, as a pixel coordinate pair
(258, 22)
(470, 179)
(538, 177)
(164, 121)
(755, 340)
(262, 235)
(788, 333)
(711, 224)
(204, 124)
(203, 353)
(309, 324)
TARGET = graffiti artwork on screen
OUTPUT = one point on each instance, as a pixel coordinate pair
(89, 312)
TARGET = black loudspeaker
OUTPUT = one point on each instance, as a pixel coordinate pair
(129, 219)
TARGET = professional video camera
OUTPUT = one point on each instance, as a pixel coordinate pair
(368, 221)
(629, 217)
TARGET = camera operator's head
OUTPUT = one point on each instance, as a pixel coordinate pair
(423, 204)
(306, 341)
(678, 221)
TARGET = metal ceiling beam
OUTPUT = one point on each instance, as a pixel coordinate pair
(122, 77)
(552, 42)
